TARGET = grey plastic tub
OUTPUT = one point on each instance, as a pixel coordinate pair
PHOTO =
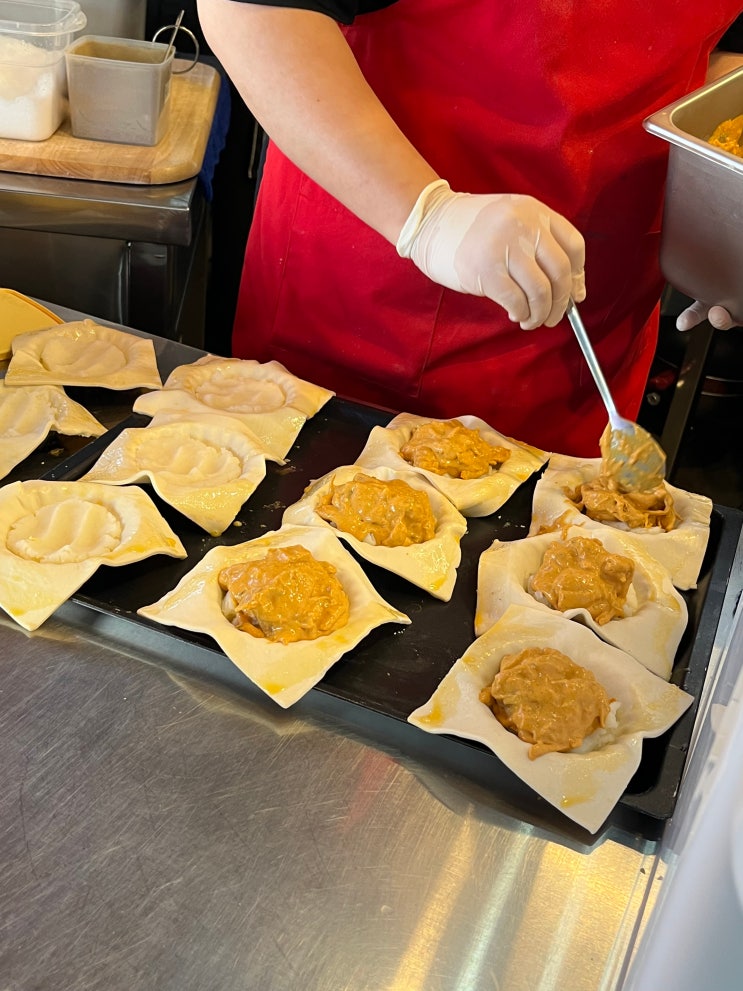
(119, 89)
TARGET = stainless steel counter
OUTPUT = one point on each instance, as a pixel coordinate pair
(132, 254)
(163, 831)
(160, 214)
(159, 834)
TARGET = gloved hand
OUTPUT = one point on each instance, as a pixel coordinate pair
(511, 248)
(718, 316)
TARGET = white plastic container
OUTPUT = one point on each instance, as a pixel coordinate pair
(33, 38)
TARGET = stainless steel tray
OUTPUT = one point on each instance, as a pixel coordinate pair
(701, 251)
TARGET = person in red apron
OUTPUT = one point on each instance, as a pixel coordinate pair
(500, 149)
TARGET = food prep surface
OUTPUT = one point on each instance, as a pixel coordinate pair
(394, 669)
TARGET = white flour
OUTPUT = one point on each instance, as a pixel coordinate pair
(32, 82)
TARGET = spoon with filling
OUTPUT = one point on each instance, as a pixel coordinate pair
(631, 456)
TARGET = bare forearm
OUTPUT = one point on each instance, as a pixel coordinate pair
(298, 76)
(721, 63)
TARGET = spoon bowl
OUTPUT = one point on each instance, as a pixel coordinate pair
(631, 455)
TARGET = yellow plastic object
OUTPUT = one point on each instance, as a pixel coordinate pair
(19, 314)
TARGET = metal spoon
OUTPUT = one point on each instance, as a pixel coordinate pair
(632, 456)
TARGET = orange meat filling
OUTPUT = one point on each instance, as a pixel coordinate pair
(447, 447)
(547, 700)
(727, 136)
(286, 596)
(581, 574)
(600, 500)
(385, 513)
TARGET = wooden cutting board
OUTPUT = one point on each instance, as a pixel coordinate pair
(193, 99)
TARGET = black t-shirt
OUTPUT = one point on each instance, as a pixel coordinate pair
(343, 11)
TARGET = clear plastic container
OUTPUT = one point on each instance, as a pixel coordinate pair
(33, 39)
(119, 89)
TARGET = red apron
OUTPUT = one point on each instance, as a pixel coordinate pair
(537, 97)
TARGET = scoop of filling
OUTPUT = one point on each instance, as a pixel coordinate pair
(581, 574)
(286, 596)
(547, 700)
(447, 447)
(389, 514)
(602, 501)
(727, 135)
(631, 456)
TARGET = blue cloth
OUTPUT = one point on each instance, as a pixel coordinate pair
(218, 133)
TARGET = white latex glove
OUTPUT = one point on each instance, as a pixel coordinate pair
(510, 248)
(718, 316)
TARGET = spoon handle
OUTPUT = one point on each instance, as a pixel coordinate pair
(590, 355)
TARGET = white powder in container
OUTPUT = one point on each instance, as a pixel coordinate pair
(32, 85)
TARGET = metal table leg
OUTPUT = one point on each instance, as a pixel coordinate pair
(686, 392)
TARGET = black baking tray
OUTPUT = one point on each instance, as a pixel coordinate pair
(396, 669)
